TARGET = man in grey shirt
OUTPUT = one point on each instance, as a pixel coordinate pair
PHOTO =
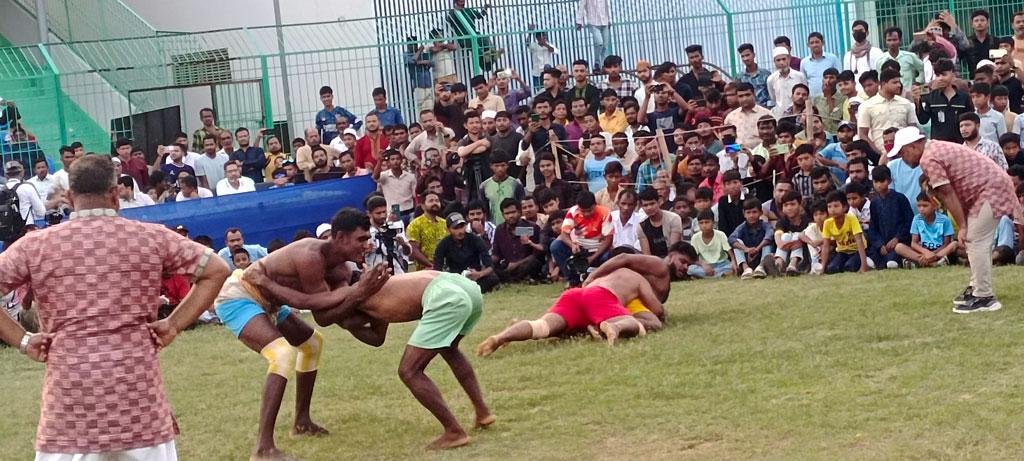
(210, 166)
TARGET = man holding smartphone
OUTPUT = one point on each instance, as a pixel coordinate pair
(518, 253)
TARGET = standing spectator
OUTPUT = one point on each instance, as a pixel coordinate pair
(30, 206)
(234, 182)
(864, 56)
(388, 116)
(227, 145)
(190, 190)
(596, 15)
(976, 193)
(697, 73)
(442, 55)
(745, 118)
(381, 222)
(1006, 76)
(131, 165)
(419, 64)
(828, 104)
(176, 154)
(426, 230)
(398, 185)
(346, 136)
(462, 22)
(253, 159)
(992, 123)
(971, 132)
(71, 305)
(60, 178)
(506, 139)
(518, 253)
(542, 54)
(781, 82)
(583, 88)
(452, 183)
(43, 180)
(783, 41)
(911, 67)
(210, 166)
(434, 136)
(814, 65)
(450, 107)
(624, 87)
(885, 110)
(484, 100)
(208, 118)
(943, 105)
(462, 252)
(325, 119)
(980, 42)
(190, 156)
(755, 76)
(512, 98)
(372, 144)
(474, 151)
(500, 186)
(1017, 53)
(234, 240)
(611, 119)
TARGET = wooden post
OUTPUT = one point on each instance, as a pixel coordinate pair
(664, 150)
(553, 141)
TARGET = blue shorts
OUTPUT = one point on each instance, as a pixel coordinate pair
(236, 313)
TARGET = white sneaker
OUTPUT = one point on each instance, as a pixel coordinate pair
(891, 265)
(747, 273)
(816, 269)
(871, 263)
(760, 273)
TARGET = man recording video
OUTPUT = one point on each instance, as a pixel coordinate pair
(387, 234)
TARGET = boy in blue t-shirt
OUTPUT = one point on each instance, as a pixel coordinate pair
(931, 237)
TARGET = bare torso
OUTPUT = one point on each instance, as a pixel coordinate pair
(400, 300)
(624, 283)
(286, 264)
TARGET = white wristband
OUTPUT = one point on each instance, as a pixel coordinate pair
(24, 343)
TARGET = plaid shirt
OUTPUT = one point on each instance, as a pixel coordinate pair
(992, 151)
(974, 179)
(802, 184)
(647, 173)
(103, 389)
(627, 87)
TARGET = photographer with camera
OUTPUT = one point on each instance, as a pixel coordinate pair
(387, 235)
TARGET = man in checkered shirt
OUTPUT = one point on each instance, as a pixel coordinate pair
(103, 394)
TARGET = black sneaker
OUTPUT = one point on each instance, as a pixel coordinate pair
(965, 298)
(987, 304)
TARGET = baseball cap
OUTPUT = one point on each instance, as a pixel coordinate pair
(351, 131)
(455, 220)
(904, 137)
(13, 166)
(322, 229)
(847, 124)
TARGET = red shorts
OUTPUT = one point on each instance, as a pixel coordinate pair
(587, 306)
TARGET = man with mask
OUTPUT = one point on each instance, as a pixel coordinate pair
(864, 56)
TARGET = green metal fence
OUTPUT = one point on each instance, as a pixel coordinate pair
(85, 86)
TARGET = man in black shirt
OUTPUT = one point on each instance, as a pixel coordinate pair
(450, 107)
(981, 41)
(465, 253)
(517, 250)
(584, 89)
(943, 105)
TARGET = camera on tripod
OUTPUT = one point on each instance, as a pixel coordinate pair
(386, 238)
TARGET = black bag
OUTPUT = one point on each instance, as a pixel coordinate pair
(12, 224)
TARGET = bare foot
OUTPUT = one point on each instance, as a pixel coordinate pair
(488, 347)
(485, 421)
(272, 454)
(610, 332)
(309, 428)
(594, 333)
(448, 440)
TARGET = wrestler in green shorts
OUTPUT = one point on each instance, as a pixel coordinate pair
(452, 305)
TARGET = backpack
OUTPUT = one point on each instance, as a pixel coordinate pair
(12, 224)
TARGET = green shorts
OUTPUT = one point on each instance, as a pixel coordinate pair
(452, 305)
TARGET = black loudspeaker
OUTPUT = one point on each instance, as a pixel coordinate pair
(154, 128)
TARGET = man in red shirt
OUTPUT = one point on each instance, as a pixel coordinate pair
(581, 235)
(369, 147)
(103, 392)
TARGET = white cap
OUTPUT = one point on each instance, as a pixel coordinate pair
(322, 229)
(983, 63)
(779, 51)
(488, 114)
(904, 137)
(351, 131)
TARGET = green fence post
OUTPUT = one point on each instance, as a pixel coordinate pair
(62, 123)
(474, 39)
(841, 26)
(268, 110)
(732, 36)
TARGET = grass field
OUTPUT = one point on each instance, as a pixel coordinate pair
(871, 366)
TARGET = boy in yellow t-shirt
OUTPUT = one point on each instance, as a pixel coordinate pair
(842, 234)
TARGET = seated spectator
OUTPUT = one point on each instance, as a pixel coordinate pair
(683, 208)
(802, 179)
(822, 183)
(660, 229)
(127, 196)
(321, 163)
(752, 242)
(843, 235)
(462, 252)
(531, 211)
(606, 197)
(858, 171)
(652, 158)
(713, 178)
(591, 168)
(347, 164)
(240, 258)
(812, 236)
(427, 230)
(190, 189)
(623, 223)
(730, 205)
(581, 237)
(970, 125)
(860, 205)
(234, 240)
(518, 253)
(234, 182)
(476, 213)
(789, 249)
(387, 237)
(772, 209)
(176, 164)
(500, 186)
(702, 201)
(713, 249)
(931, 236)
(891, 218)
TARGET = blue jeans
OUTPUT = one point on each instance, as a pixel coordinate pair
(880, 259)
(843, 262)
(721, 268)
(600, 36)
(741, 257)
(562, 252)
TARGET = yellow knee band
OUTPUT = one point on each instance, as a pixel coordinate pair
(309, 353)
(280, 357)
(540, 328)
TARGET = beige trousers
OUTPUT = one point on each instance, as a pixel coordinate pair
(981, 229)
